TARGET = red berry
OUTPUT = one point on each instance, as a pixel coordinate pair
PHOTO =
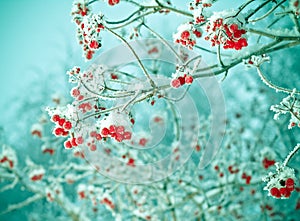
(93, 147)
(290, 184)
(93, 134)
(248, 179)
(79, 140)
(189, 79)
(89, 55)
(94, 44)
(185, 35)
(285, 192)
(73, 142)
(55, 118)
(98, 137)
(112, 129)
(130, 162)
(275, 192)
(61, 122)
(68, 125)
(75, 92)
(127, 135)
(67, 144)
(120, 129)
(175, 83)
(181, 80)
(58, 131)
(104, 131)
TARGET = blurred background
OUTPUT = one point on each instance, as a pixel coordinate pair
(38, 44)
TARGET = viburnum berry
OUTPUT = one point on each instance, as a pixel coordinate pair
(105, 131)
(73, 142)
(285, 192)
(130, 162)
(175, 83)
(113, 2)
(94, 44)
(75, 92)
(282, 181)
(186, 35)
(61, 122)
(93, 147)
(188, 79)
(58, 131)
(275, 192)
(79, 140)
(68, 144)
(290, 184)
(67, 125)
(225, 32)
(55, 118)
(89, 55)
(127, 135)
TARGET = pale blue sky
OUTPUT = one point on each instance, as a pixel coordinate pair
(34, 34)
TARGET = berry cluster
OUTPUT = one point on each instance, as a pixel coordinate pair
(267, 163)
(113, 2)
(229, 35)
(181, 80)
(181, 77)
(88, 28)
(285, 190)
(186, 35)
(280, 184)
(117, 132)
(73, 142)
(63, 126)
(80, 10)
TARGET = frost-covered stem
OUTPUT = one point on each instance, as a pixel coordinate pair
(257, 9)
(268, 13)
(207, 50)
(296, 22)
(130, 101)
(66, 205)
(22, 204)
(135, 55)
(193, 59)
(291, 154)
(174, 10)
(262, 50)
(101, 112)
(286, 38)
(219, 56)
(173, 212)
(135, 19)
(270, 84)
(163, 41)
(131, 15)
(245, 5)
(10, 186)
